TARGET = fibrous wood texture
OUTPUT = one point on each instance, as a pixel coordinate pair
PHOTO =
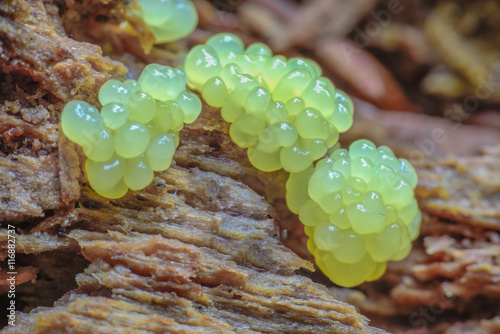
(210, 246)
(195, 252)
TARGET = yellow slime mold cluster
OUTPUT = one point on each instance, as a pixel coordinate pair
(168, 20)
(136, 132)
(359, 211)
(283, 111)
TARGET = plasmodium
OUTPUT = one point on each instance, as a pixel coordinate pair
(168, 20)
(136, 132)
(359, 211)
(282, 110)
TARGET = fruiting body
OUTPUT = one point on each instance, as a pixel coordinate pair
(168, 20)
(282, 110)
(136, 132)
(359, 211)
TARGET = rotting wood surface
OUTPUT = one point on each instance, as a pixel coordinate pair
(198, 251)
(195, 252)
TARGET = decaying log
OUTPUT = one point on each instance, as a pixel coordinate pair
(197, 251)
(210, 246)
(194, 252)
(41, 69)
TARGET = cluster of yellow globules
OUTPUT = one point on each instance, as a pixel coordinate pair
(136, 132)
(283, 111)
(358, 205)
(359, 211)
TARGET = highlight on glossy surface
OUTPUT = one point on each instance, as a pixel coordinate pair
(282, 110)
(136, 132)
(168, 20)
(359, 211)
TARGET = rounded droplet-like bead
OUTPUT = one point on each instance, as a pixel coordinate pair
(324, 182)
(265, 161)
(105, 177)
(131, 139)
(311, 124)
(274, 70)
(277, 135)
(160, 152)
(178, 116)
(291, 85)
(114, 115)
(249, 64)
(348, 274)
(163, 118)
(305, 64)
(258, 100)
(226, 42)
(276, 113)
(114, 91)
(168, 20)
(214, 92)
(81, 123)
(369, 215)
(319, 95)
(102, 148)
(297, 189)
(343, 111)
(245, 130)
(141, 107)
(157, 13)
(296, 158)
(191, 106)
(327, 236)
(138, 173)
(200, 65)
(259, 49)
(294, 106)
(156, 78)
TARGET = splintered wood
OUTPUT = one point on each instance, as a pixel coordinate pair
(41, 69)
(210, 246)
(194, 252)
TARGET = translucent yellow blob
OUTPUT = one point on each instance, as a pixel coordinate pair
(160, 151)
(168, 20)
(114, 91)
(102, 148)
(141, 107)
(191, 106)
(292, 91)
(131, 139)
(214, 92)
(106, 177)
(359, 209)
(114, 115)
(200, 65)
(138, 173)
(81, 123)
(136, 132)
(265, 161)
